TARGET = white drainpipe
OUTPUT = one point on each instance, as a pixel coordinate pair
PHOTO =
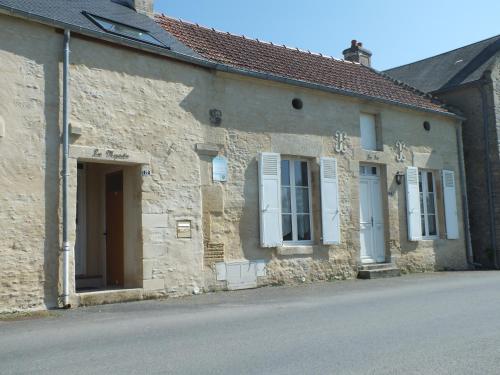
(65, 171)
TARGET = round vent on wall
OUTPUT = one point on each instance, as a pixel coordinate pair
(297, 103)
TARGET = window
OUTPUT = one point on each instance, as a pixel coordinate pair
(296, 201)
(368, 132)
(124, 30)
(427, 189)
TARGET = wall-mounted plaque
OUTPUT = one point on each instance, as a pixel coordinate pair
(183, 229)
(219, 169)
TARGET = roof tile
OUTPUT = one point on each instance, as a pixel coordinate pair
(258, 56)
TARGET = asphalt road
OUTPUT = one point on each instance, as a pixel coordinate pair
(446, 323)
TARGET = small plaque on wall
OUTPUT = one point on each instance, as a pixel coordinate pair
(219, 169)
(184, 229)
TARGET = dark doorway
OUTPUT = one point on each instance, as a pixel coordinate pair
(114, 230)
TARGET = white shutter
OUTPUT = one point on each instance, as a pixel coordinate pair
(270, 199)
(413, 204)
(450, 205)
(330, 213)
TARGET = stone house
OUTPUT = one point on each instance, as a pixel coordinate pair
(145, 157)
(469, 78)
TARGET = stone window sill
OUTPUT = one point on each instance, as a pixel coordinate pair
(295, 250)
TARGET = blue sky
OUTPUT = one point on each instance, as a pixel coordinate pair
(397, 32)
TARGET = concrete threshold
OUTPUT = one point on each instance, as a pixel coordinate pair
(101, 297)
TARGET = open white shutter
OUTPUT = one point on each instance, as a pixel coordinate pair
(450, 205)
(413, 204)
(270, 199)
(330, 213)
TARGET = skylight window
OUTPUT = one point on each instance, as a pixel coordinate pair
(124, 30)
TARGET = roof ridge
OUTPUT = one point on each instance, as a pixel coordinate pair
(297, 49)
(444, 53)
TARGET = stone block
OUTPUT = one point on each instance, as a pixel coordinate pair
(294, 144)
(147, 268)
(207, 149)
(295, 250)
(155, 235)
(213, 199)
(153, 284)
(155, 220)
(152, 250)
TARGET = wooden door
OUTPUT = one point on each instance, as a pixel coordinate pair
(114, 229)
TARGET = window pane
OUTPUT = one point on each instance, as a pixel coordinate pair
(432, 225)
(300, 173)
(285, 172)
(286, 202)
(423, 225)
(420, 181)
(303, 227)
(431, 209)
(286, 225)
(422, 203)
(302, 200)
(430, 185)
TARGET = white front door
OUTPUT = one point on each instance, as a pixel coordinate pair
(371, 219)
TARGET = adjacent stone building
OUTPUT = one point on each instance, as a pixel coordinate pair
(469, 79)
(200, 160)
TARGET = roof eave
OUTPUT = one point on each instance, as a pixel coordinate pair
(210, 64)
(330, 89)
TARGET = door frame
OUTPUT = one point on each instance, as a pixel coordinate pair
(81, 186)
(377, 177)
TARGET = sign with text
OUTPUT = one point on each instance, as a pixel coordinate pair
(219, 169)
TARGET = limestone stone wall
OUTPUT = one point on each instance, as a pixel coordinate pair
(267, 122)
(152, 113)
(29, 164)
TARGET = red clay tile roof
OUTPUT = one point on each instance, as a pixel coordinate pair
(255, 55)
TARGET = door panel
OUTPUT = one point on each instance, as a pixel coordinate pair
(378, 222)
(365, 225)
(114, 229)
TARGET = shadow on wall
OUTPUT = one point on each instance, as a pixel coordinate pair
(51, 184)
(249, 222)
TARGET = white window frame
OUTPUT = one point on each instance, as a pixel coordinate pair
(424, 193)
(291, 171)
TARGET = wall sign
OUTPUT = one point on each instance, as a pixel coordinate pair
(219, 168)
(145, 171)
(110, 154)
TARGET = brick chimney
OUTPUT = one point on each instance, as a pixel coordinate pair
(140, 6)
(357, 53)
